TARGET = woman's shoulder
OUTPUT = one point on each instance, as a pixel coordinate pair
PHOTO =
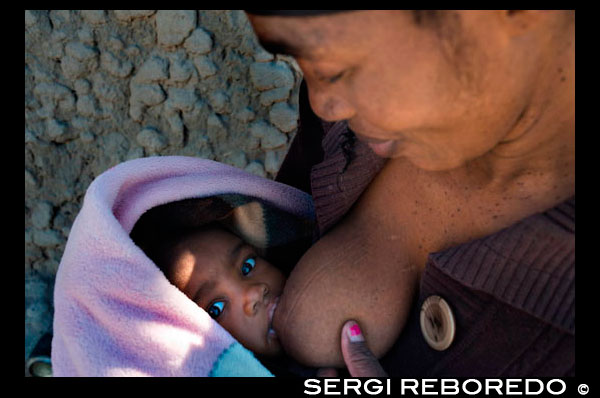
(529, 265)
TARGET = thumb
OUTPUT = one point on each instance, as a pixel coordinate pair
(359, 360)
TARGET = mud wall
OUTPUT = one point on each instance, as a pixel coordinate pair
(102, 87)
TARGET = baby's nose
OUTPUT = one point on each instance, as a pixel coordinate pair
(254, 296)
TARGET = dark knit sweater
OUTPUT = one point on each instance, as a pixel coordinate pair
(512, 293)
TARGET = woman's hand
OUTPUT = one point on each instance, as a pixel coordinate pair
(359, 360)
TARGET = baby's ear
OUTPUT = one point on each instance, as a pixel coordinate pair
(339, 279)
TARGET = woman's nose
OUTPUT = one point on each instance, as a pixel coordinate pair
(329, 106)
(253, 296)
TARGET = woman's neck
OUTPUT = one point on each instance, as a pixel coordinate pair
(538, 153)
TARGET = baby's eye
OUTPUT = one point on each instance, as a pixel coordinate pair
(248, 266)
(216, 308)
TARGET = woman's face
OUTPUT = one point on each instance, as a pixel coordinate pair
(401, 87)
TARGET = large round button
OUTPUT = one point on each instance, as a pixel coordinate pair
(437, 323)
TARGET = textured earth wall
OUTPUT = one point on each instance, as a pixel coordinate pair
(102, 87)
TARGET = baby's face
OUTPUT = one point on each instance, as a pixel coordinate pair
(223, 275)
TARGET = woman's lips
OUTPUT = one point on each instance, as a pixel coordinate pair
(383, 149)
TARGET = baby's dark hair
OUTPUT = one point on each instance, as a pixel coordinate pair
(163, 253)
(161, 228)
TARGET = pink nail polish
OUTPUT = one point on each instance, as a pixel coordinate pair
(354, 333)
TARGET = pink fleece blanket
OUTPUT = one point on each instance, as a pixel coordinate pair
(116, 314)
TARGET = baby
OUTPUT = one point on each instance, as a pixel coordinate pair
(228, 279)
(347, 274)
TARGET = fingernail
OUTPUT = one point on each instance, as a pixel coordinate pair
(354, 332)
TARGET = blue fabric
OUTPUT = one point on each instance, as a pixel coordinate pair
(237, 361)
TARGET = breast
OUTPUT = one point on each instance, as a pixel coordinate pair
(358, 271)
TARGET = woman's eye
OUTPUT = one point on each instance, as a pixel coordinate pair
(335, 78)
(216, 309)
(248, 266)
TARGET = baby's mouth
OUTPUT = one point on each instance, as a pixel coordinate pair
(271, 311)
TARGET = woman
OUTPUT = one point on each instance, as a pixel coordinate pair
(476, 112)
